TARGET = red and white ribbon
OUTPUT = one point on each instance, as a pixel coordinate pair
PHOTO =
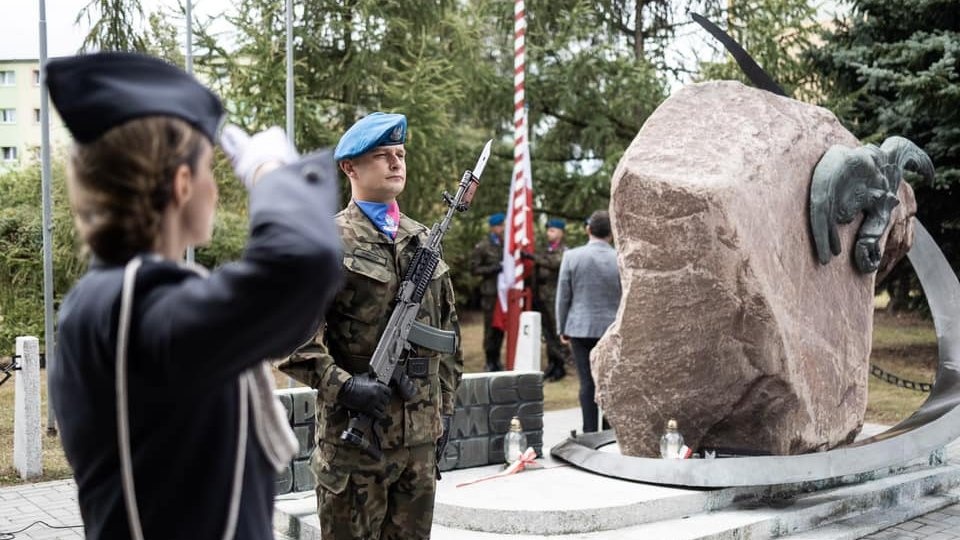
(526, 459)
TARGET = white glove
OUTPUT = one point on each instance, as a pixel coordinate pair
(247, 154)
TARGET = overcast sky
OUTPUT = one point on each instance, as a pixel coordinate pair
(20, 37)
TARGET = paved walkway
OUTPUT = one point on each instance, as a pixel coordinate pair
(54, 503)
(940, 525)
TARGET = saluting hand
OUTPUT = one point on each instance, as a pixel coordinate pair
(364, 393)
(249, 155)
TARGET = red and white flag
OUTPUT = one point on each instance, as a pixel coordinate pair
(512, 297)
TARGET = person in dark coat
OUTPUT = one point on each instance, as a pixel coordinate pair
(159, 385)
(486, 262)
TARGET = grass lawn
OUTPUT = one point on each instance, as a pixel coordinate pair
(903, 345)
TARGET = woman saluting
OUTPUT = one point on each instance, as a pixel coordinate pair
(164, 403)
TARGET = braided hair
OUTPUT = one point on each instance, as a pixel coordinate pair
(121, 183)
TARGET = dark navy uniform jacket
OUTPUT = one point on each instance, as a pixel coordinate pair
(190, 338)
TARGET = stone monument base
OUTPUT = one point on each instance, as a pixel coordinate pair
(557, 499)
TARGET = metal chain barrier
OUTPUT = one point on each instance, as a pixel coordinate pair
(891, 378)
(6, 369)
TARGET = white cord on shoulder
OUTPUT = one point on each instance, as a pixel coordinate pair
(123, 413)
(123, 419)
(238, 467)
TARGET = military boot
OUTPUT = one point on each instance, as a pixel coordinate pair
(493, 364)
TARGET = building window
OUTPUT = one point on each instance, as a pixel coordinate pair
(36, 77)
(8, 116)
(9, 153)
(36, 116)
(8, 78)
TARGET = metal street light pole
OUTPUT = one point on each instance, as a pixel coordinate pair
(189, 61)
(49, 340)
(290, 69)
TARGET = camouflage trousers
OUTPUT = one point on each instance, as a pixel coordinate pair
(387, 500)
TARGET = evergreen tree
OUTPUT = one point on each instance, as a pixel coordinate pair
(893, 68)
(116, 25)
(777, 34)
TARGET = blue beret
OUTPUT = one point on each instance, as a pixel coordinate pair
(375, 129)
(496, 219)
(557, 223)
(96, 92)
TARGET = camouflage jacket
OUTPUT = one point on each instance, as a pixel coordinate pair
(548, 271)
(374, 266)
(485, 262)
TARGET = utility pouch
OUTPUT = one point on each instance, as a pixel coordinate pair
(418, 367)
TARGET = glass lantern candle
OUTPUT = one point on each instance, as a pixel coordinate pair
(671, 441)
(515, 442)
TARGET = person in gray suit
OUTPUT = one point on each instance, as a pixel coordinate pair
(588, 294)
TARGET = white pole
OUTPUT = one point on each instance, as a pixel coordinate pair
(290, 70)
(27, 443)
(49, 340)
(189, 59)
(289, 104)
(527, 357)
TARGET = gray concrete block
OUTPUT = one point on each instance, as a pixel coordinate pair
(473, 391)
(304, 406)
(471, 452)
(531, 415)
(503, 389)
(284, 481)
(500, 416)
(303, 479)
(305, 439)
(469, 422)
(287, 401)
(485, 405)
(530, 386)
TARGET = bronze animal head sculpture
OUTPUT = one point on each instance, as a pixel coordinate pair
(848, 181)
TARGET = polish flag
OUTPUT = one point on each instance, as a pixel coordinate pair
(512, 297)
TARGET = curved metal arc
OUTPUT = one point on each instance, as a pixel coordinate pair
(933, 425)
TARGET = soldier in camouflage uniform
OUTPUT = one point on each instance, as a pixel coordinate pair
(486, 262)
(358, 496)
(547, 259)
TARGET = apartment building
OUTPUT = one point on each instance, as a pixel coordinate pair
(20, 114)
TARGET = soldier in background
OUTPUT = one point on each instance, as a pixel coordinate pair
(358, 496)
(547, 259)
(487, 262)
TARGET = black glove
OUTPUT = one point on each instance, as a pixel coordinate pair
(446, 420)
(363, 393)
(527, 255)
(405, 386)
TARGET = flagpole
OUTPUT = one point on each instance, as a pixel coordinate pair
(189, 66)
(520, 226)
(49, 339)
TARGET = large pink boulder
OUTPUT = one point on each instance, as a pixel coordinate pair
(727, 322)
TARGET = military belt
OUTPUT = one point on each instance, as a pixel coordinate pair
(416, 367)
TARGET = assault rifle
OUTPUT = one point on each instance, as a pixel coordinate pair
(403, 331)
